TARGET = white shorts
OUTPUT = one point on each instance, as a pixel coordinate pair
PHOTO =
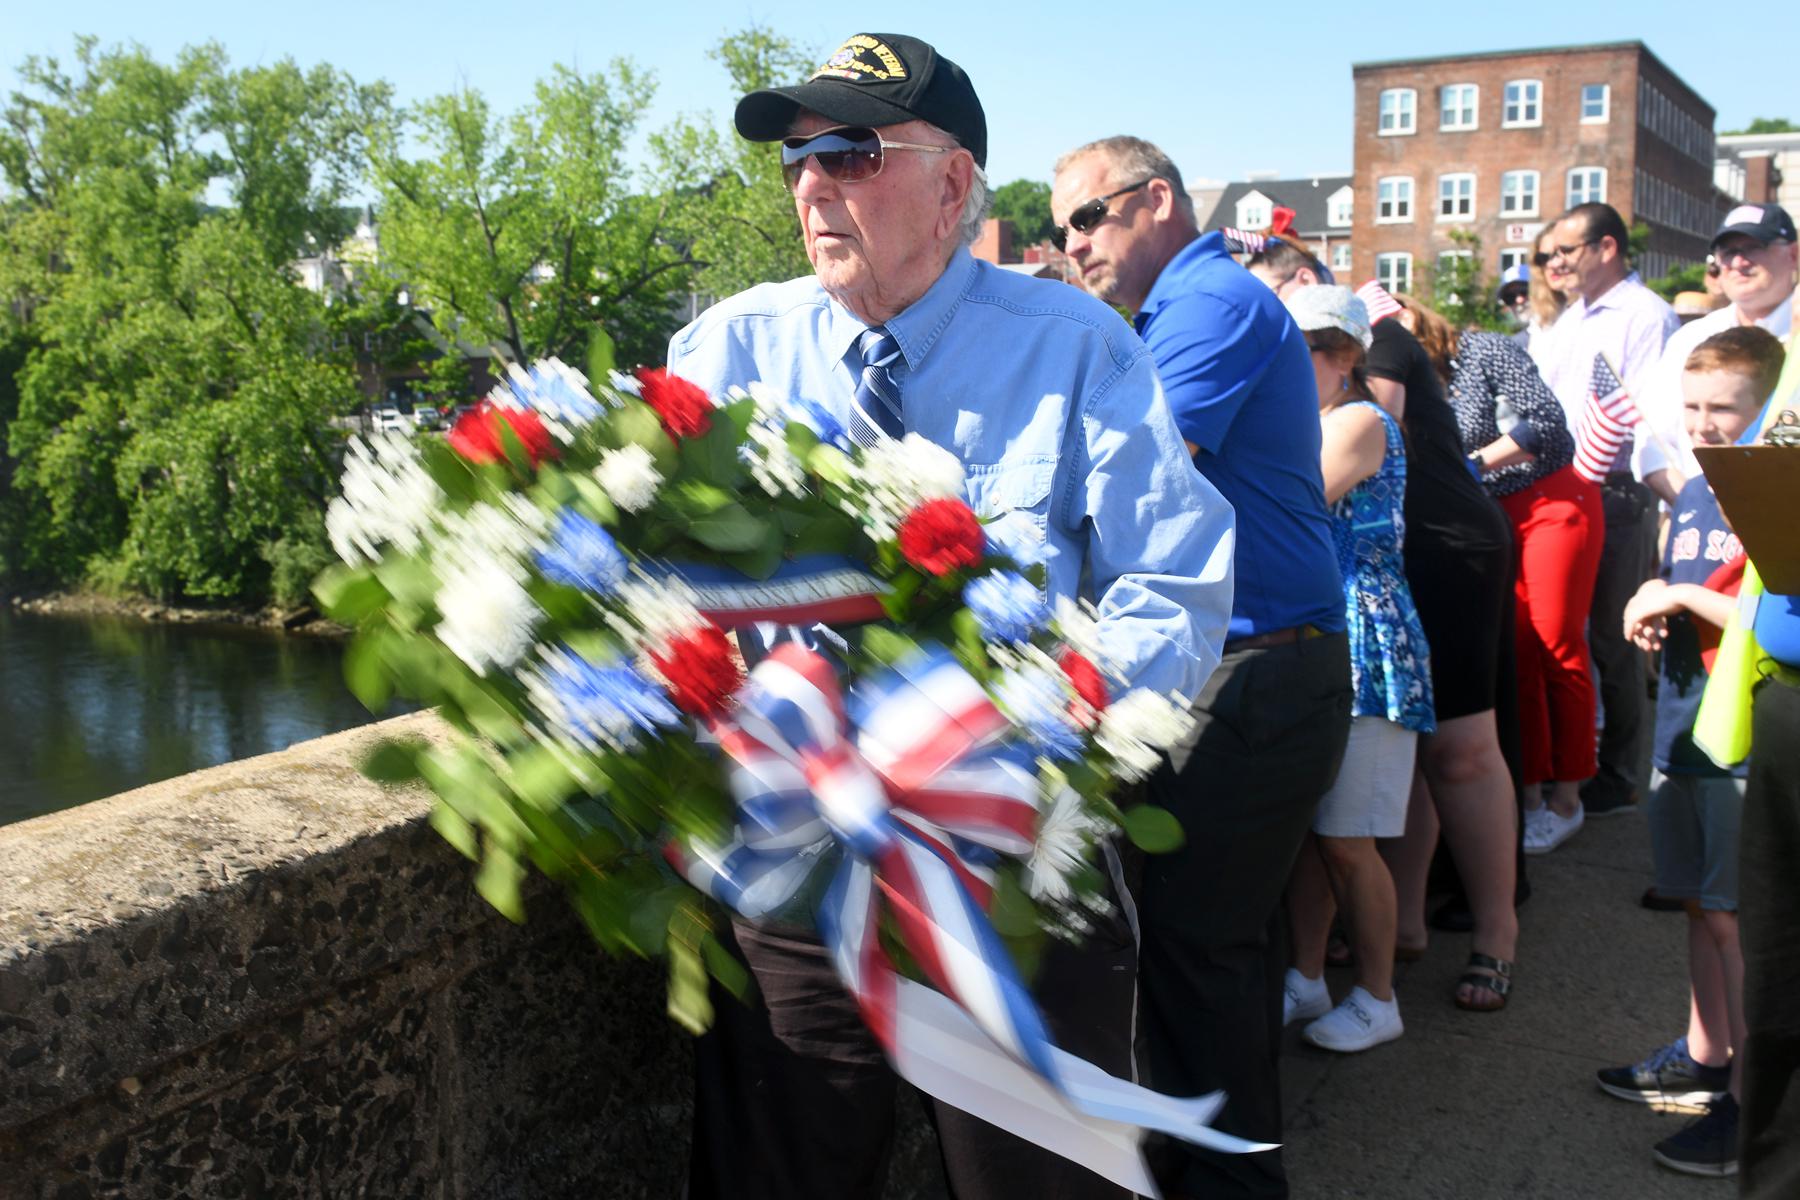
(1372, 788)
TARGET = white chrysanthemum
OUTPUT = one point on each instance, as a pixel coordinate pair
(1077, 624)
(1065, 833)
(387, 500)
(649, 611)
(1137, 727)
(893, 477)
(629, 477)
(487, 617)
(500, 537)
(774, 467)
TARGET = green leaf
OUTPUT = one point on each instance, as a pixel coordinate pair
(594, 501)
(1152, 829)
(696, 499)
(732, 528)
(365, 673)
(690, 1005)
(347, 594)
(450, 472)
(498, 882)
(761, 561)
(1013, 914)
(599, 357)
(712, 457)
(540, 779)
(394, 761)
(454, 829)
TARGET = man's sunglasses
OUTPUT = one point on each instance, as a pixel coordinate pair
(1087, 217)
(849, 154)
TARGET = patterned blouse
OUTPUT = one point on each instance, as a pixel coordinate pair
(1495, 389)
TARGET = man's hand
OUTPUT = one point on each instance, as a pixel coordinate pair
(1647, 614)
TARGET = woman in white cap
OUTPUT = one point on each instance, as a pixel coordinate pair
(1364, 463)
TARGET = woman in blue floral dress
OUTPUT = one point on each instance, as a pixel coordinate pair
(1364, 468)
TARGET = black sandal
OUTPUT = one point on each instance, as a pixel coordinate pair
(1488, 974)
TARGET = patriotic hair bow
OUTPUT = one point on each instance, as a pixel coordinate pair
(918, 782)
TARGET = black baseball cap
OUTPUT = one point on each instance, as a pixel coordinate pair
(1764, 222)
(875, 79)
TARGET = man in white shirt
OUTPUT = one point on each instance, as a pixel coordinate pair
(1612, 313)
(1759, 260)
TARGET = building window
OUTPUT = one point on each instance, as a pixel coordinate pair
(1340, 257)
(1512, 256)
(1596, 103)
(1587, 185)
(1393, 199)
(1341, 208)
(1519, 194)
(1394, 272)
(1255, 211)
(1524, 104)
(1456, 197)
(1399, 111)
(1456, 106)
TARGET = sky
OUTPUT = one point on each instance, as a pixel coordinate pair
(1222, 93)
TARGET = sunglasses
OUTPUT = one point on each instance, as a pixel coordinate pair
(849, 154)
(1085, 218)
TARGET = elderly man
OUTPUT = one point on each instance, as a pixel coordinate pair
(1055, 411)
(1610, 312)
(1273, 720)
(1758, 258)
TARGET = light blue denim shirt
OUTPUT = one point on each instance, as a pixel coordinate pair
(1054, 407)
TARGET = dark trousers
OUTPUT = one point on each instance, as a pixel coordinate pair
(1769, 926)
(1627, 558)
(1270, 738)
(794, 1099)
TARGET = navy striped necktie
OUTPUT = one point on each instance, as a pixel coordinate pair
(877, 395)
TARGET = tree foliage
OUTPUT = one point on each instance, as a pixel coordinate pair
(1459, 288)
(1026, 203)
(1768, 125)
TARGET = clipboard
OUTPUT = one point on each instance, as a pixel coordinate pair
(1758, 489)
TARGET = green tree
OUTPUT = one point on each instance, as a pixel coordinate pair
(521, 232)
(727, 203)
(1459, 286)
(1768, 125)
(173, 405)
(1026, 203)
(1691, 278)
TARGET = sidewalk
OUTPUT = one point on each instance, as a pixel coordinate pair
(1469, 1106)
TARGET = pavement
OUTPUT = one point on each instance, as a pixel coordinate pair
(1467, 1106)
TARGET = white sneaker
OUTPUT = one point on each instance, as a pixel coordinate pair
(1357, 1023)
(1303, 999)
(1545, 830)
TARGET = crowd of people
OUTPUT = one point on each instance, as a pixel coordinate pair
(1405, 573)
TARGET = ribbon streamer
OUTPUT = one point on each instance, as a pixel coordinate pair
(917, 780)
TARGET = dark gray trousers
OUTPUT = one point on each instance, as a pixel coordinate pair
(1627, 559)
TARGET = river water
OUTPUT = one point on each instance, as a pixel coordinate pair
(93, 706)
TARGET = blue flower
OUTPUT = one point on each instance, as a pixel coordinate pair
(582, 555)
(818, 418)
(548, 388)
(612, 703)
(1007, 605)
(1037, 704)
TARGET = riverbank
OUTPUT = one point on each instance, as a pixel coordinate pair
(304, 621)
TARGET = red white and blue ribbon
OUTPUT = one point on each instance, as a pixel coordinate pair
(919, 782)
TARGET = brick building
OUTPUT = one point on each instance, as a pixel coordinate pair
(1493, 146)
(1762, 168)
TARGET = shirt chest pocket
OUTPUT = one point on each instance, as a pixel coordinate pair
(1012, 498)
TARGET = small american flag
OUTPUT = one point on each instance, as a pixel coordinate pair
(1377, 300)
(1239, 241)
(1606, 423)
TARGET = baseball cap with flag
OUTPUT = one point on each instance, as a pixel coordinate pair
(875, 79)
(1764, 222)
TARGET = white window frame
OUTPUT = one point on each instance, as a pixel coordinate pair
(1605, 104)
(1341, 257)
(1537, 193)
(1346, 197)
(1389, 279)
(1397, 217)
(1569, 186)
(1473, 107)
(1406, 112)
(1536, 104)
(1512, 256)
(1448, 189)
(1252, 205)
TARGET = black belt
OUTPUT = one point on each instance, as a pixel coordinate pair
(1275, 637)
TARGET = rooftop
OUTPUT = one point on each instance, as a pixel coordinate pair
(1485, 55)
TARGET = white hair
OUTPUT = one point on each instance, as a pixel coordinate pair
(975, 208)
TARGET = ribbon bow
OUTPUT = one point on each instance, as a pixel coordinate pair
(919, 783)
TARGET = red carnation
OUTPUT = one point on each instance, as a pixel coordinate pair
(941, 535)
(684, 408)
(476, 435)
(702, 670)
(1085, 678)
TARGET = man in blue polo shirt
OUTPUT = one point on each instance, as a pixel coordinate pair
(1273, 719)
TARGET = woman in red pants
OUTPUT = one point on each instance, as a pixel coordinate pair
(1518, 440)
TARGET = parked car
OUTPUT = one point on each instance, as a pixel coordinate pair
(385, 417)
(427, 417)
